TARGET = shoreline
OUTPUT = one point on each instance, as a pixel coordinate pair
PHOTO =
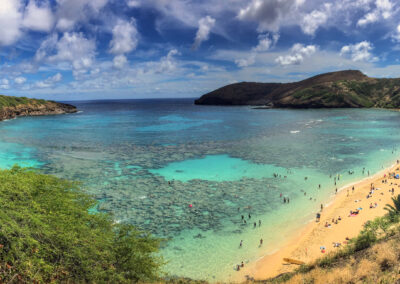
(305, 243)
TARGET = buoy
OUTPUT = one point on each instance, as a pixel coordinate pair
(190, 205)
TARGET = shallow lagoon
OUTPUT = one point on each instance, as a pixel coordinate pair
(218, 159)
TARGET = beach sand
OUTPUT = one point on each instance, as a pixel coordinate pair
(305, 244)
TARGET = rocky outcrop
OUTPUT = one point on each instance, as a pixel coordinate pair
(349, 88)
(35, 109)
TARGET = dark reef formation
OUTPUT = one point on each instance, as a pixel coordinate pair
(348, 88)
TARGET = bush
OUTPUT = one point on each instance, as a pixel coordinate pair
(47, 234)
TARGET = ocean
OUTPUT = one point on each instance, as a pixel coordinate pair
(193, 174)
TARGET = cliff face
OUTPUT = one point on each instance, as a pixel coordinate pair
(11, 107)
(349, 88)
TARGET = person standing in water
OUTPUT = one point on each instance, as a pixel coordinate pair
(241, 243)
(259, 223)
(261, 242)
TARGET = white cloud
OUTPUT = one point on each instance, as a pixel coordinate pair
(49, 82)
(38, 18)
(297, 55)
(265, 42)
(124, 37)
(72, 48)
(133, 3)
(383, 9)
(71, 12)
(10, 21)
(119, 61)
(168, 63)
(396, 34)
(5, 84)
(245, 62)
(311, 22)
(203, 32)
(20, 80)
(359, 51)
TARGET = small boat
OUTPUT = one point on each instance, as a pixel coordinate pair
(293, 261)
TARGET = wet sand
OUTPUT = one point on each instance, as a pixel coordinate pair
(305, 244)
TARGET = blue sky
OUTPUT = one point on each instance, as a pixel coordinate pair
(97, 49)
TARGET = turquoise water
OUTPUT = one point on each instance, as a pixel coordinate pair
(147, 161)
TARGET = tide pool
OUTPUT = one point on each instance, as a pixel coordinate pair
(146, 161)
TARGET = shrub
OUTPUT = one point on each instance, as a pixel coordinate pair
(47, 234)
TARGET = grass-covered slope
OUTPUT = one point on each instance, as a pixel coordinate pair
(11, 107)
(348, 88)
(8, 101)
(47, 235)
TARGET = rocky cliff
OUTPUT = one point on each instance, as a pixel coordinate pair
(11, 107)
(349, 88)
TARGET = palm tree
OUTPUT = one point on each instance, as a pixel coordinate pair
(394, 210)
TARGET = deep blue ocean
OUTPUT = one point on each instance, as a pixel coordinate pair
(188, 173)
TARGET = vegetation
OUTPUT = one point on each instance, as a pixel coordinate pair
(7, 101)
(348, 88)
(372, 257)
(48, 235)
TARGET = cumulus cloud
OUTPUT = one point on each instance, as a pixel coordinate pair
(266, 41)
(297, 55)
(268, 14)
(167, 63)
(383, 9)
(203, 32)
(49, 82)
(359, 51)
(70, 12)
(72, 48)
(133, 3)
(312, 21)
(10, 21)
(124, 37)
(120, 61)
(38, 18)
(20, 80)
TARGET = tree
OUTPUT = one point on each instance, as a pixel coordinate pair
(394, 209)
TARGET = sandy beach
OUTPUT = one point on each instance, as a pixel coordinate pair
(306, 244)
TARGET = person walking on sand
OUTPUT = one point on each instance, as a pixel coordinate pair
(322, 206)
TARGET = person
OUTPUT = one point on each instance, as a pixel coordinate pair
(241, 243)
(255, 224)
(322, 206)
(242, 217)
(340, 218)
(319, 186)
(336, 191)
(318, 217)
(261, 242)
(238, 267)
(259, 223)
(242, 265)
(284, 200)
(288, 200)
(352, 189)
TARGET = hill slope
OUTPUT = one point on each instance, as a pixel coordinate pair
(11, 107)
(349, 88)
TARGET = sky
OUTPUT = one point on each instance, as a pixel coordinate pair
(114, 49)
